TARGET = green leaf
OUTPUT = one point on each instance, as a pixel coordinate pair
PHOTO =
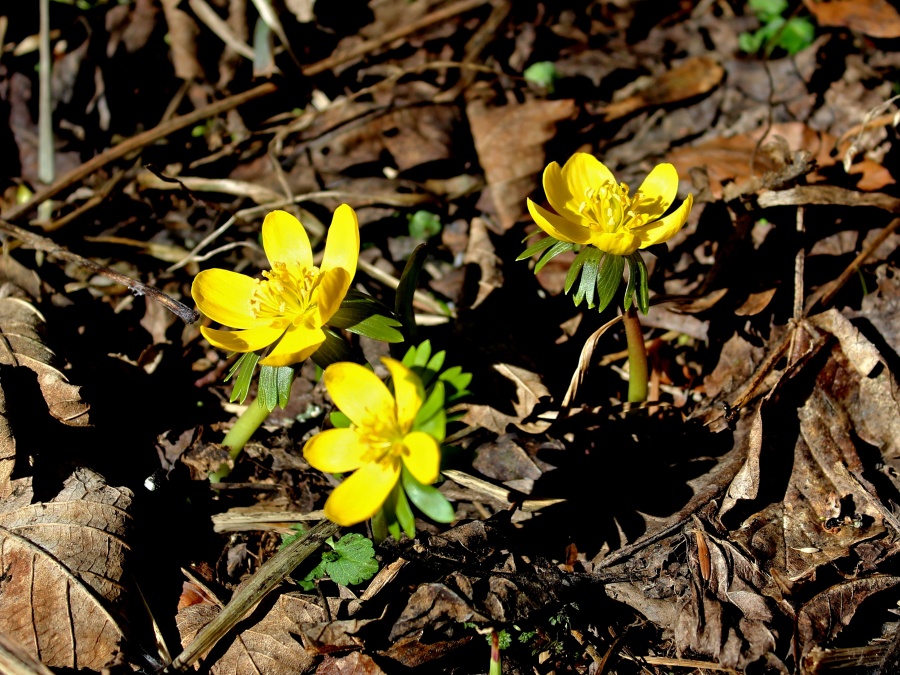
(339, 420)
(643, 284)
(555, 250)
(389, 512)
(403, 303)
(269, 392)
(299, 531)
(609, 279)
(542, 244)
(457, 379)
(766, 10)
(543, 73)
(424, 224)
(284, 380)
(364, 315)
(797, 35)
(427, 499)
(436, 362)
(355, 562)
(405, 517)
(333, 350)
(575, 268)
(244, 367)
(423, 353)
(431, 417)
(632, 277)
(589, 271)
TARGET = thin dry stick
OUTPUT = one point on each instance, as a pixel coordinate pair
(135, 143)
(267, 577)
(40, 243)
(447, 12)
(853, 267)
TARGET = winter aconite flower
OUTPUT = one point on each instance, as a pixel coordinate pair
(593, 209)
(288, 307)
(378, 441)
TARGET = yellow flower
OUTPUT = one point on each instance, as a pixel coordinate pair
(295, 299)
(379, 438)
(594, 209)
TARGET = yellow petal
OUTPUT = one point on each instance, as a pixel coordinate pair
(242, 340)
(423, 456)
(657, 192)
(408, 391)
(224, 297)
(560, 196)
(360, 496)
(298, 344)
(329, 294)
(662, 230)
(335, 451)
(621, 242)
(567, 188)
(557, 226)
(359, 393)
(285, 240)
(342, 244)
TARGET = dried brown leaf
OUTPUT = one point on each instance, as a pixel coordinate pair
(828, 613)
(22, 344)
(529, 391)
(510, 141)
(62, 567)
(270, 646)
(480, 251)
(731, 159)
(355, 663)
(693, 77)
(877, 18)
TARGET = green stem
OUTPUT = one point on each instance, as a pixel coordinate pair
(239, 434)
(637, 357)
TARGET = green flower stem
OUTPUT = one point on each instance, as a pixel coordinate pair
(239, 434)
(637, 357)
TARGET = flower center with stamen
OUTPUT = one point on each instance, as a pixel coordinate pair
(383, 438)
(285, 292)
(609, 208)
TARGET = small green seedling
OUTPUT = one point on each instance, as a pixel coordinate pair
(793, 34)
(351, 560)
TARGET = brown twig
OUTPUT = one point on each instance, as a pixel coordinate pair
(50, 247)
(826, 293)
(135, 143)
(371, 45)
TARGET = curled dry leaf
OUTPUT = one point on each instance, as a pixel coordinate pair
(743, 160)
(480, 251)
(510, 144)
(21, 326)
(62, 567)
(529, 391)
(877, 18)
(693, 77)
(826, 615)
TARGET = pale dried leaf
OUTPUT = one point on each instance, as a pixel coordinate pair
(62, 565)
(877, 18)
(480, 251)
(510, 141)
(529, 391)
(22, 344)
(269, 646)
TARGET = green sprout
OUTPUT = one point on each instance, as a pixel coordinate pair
(793, 34)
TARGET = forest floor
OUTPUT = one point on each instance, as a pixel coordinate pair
(743, 520)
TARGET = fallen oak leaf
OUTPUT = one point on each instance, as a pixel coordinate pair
(510, 141)
(692, 77)
(62, 567)
(529, 391)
